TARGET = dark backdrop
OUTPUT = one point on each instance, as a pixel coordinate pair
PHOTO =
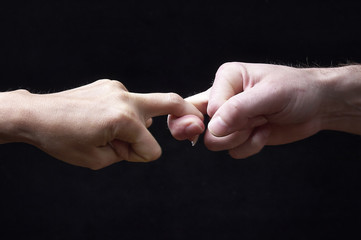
(304, 190)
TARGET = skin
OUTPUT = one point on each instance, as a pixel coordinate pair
(91, 126)
(253, 105)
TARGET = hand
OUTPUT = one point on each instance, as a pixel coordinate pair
(97, 124)
(253, 105)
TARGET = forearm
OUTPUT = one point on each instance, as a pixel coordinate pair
(14, 114)
(342, 94)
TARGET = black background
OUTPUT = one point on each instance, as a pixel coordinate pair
(305, 190)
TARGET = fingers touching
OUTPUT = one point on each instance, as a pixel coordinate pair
(135, 143)
(190, 126)
(200, 100)
(242, 111)
(237, 110)
(237, 116)
(157, 104)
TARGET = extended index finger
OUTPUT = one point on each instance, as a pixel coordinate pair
(158, 104)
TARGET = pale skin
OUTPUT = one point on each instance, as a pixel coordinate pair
(250, 106)
(91, 126)
(253, 105)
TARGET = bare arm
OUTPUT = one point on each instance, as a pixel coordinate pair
(342, 89)
(253, 105)
(91, 126)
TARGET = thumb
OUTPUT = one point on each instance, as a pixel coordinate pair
(245, 110)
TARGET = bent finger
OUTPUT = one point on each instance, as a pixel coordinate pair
(227, 83)
(148, 122)
(186, 127)
(189, 126)
(246, 110)
(200, 100)
(145, 149)
(142, 145)
(105, 156)
(253, 145)
(227, 142)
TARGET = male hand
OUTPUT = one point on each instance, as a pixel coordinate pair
(253, 105)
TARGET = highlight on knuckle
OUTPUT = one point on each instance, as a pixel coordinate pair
(120, 96)
(125, 118)
(175, 99)
(232, 69)
(112, 84)
(102, 81)
(117, 84)
(229, 66)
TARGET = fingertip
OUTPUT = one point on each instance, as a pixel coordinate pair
(194, 140)
(149, 122)
(158, 104)
(218, 127)
(211, 109)
(156, 154)
(152, 154)
(195, 128)
(200, 101)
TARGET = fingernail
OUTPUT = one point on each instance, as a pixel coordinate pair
(194, 140)
(193, 129)
(217, 126)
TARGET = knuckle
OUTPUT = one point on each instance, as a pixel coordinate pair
(156, 154)
(229, 66)
(232, 69)
(125, 118)
(213, 107)
(211, 145)
(241, 153)
(22, 91)
(103, 80)
(97, 165)
(112, 84)
(100, 162)
(117, 120)
(175, 99)
(118, 85)
(122, 96)
(118, 100)
(252, 149)
(236, 154)
(94, 168)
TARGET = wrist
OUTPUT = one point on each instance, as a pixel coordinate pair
(341, 108)
(15, 116)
